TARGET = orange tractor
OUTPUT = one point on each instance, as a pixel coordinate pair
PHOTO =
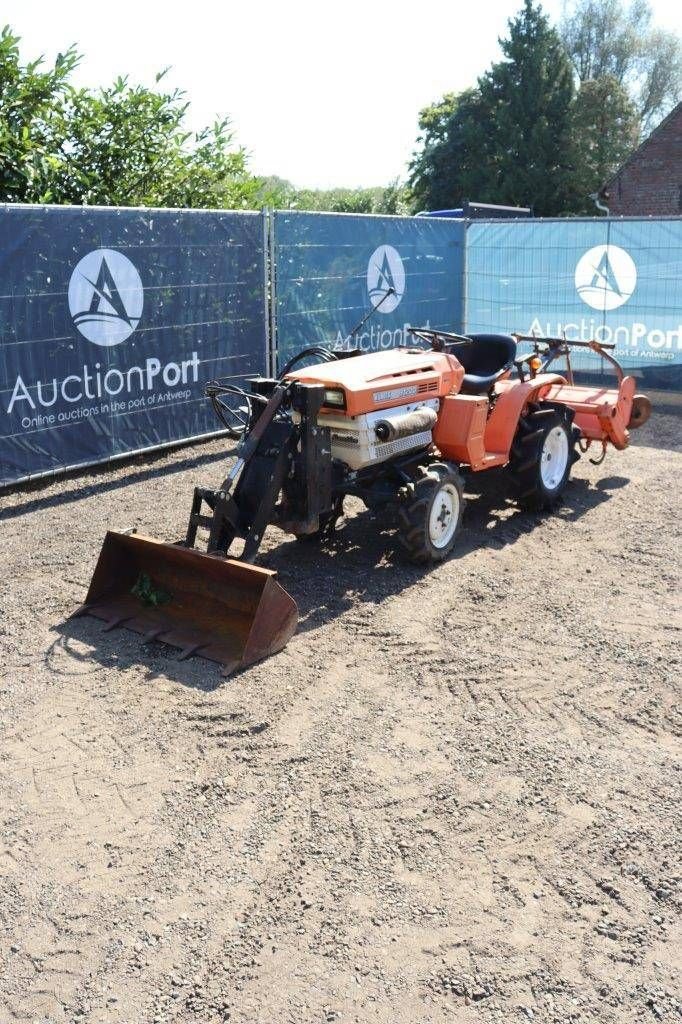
(398, 429)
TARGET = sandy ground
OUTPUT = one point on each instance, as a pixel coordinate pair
(454, 797)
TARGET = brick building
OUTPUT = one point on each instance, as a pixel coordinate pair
(649, 184)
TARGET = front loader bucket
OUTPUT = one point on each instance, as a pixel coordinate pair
(218, 608)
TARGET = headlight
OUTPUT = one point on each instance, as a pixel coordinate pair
(335, 397)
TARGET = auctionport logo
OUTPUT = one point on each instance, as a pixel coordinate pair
(105, 297)
(605, 277)
(385, 270)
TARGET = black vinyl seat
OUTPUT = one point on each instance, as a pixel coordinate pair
(485, 360)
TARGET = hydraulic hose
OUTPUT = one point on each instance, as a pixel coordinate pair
(325, 354)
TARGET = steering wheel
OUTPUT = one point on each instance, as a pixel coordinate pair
(439, 340)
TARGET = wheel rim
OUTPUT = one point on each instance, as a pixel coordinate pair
(554, 458)
(444, 515)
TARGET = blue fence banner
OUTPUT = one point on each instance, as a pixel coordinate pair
(332, 269)
(617, 281)
(111, 320)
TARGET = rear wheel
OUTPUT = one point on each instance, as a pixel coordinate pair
(430, 512)
(542, 455)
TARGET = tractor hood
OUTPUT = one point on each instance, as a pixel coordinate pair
(385, 379)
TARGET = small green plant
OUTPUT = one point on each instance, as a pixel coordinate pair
(150, 595)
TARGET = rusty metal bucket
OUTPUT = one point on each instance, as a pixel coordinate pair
(219, 608)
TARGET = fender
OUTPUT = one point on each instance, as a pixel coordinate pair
(511, 398)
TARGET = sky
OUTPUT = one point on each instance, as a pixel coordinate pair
(321, 94)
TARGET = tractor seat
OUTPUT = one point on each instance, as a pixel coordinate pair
(485, 361)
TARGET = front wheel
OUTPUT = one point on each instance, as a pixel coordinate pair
(542, 455)
(430, 512)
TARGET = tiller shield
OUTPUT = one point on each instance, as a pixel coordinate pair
(219, 608)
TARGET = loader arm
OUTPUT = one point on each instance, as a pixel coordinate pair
(283, 454)
(239, 515)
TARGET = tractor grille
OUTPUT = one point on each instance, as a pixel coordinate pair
(403, 444)
(355, 443)
(345, 440)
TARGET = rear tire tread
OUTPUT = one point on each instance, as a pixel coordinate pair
(524, 463)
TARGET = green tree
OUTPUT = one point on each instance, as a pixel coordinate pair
(445, 171)
(509, 140)
(124, 145)
(524, 137)
(607, 37)
(392, 199)
(127, 146)
(31, 106)
(526, 152)
(605, 131)
(281, 193)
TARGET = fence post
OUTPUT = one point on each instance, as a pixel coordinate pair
(266, 290)
(464, 278)
(271, 292)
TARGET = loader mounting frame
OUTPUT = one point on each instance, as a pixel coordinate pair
(287, 454)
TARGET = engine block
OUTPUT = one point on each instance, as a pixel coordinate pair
(354, 440)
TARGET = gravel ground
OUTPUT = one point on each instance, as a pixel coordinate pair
(453, 797)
